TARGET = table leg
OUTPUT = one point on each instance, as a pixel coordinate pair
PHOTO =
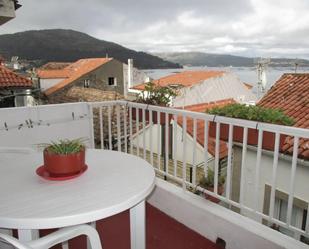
(138, 226)
(27, 234)
(65, 245)
(92, 224)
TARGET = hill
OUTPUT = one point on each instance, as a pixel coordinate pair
(218, 60)
(69, 45)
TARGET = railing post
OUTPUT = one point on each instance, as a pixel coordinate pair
(184, 158)
(92, 143)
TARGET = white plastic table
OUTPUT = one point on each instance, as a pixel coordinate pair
(114, 182)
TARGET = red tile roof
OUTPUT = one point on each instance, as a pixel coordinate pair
(291, 94)
(53, 74)
(186, 78)
(75, 71)
(10, 79)
(200, 126)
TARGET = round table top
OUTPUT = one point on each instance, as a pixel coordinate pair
(114, 182)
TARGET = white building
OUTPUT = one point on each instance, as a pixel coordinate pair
(195, 87)
(282, 183)
(290, 94)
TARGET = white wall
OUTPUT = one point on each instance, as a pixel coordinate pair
(283, 178)
(200, 157)
(213, 221)
(214, 89)
(138, 76)
(137, 139)
(179, 141)
(48, 83)
(59, 117)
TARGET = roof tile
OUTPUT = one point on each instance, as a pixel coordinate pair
(200, 126)
(291, 94)
(75, 71)
(10, 79)
(186, 78)
(53, 73)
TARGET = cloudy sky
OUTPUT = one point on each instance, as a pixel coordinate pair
(269, 28)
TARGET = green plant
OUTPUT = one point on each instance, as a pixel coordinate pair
(156, 95)
(209, 180)
(65, 146)
(255, 113)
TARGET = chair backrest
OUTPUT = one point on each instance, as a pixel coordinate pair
(9, 240)
(48, 241)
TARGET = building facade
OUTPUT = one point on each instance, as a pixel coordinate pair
(290, 94)
(106, 74)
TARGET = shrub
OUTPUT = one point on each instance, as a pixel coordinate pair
(209, 180)
(65, 147)
(156, 95)
(254, 113)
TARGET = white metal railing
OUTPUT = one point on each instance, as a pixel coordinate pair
(116, 128)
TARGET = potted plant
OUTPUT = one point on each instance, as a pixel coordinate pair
(254, 113)
(208, 183)
(153, 95)
(65, 157)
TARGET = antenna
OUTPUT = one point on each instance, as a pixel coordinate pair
(296, 64)
(262, 65)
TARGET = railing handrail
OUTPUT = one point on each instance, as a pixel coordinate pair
(288, 130)
(140, 126)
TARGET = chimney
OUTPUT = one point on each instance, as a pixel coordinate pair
(130, 73)
(130, 78)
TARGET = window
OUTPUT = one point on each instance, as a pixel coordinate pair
(298, 216)
(112, 81)
(298, 219)
(303, 238)
(86, 83)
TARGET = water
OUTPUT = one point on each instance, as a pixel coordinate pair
(245, 74)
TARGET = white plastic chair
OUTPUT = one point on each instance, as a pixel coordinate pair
(61, 235)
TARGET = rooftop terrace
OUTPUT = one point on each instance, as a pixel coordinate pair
(177, 217)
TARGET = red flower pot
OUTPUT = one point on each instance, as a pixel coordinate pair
(268, 137)
(64, 165)
(211, 198)
(139, 112)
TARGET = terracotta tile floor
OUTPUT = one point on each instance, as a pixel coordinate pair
(163, 232)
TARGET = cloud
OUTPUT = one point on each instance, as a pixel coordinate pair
(252, 28)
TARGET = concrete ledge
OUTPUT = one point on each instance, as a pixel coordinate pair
(213, 221)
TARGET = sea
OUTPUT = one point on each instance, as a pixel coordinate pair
(246, 74)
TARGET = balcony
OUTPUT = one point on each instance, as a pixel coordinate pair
(265, 190)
